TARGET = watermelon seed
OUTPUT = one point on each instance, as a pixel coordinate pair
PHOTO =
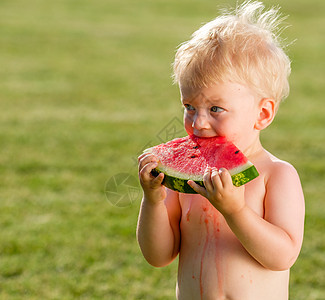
(193, 156)
(237, 152)
(195, 147)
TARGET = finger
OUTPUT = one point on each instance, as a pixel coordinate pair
(225, 178)
(141, 156)
(199, 189)
(157, 181)
(148, 154)
(207, 179)
(145, 171)
(216, 180)
(145, 159)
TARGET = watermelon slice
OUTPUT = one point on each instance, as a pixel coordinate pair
(186, 158)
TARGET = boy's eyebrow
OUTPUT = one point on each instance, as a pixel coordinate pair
(213, 99)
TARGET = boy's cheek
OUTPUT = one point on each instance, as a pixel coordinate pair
(188, 125)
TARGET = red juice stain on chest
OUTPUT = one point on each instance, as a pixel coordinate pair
(211, 218)
(218, 255)
(188, 212)
(206, 222)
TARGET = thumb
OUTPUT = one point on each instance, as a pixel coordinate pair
(199, 189)
(158, 180)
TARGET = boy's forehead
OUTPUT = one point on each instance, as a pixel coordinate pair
(201, 97)
(190, 93)
(207, 92)
(219, 94)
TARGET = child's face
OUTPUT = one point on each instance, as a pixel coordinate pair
(226, 109)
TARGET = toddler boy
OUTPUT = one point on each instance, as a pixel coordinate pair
(233, 243)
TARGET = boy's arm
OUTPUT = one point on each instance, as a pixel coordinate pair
(158, 230)
(275, 240)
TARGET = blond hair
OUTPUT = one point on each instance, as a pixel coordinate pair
(240, 46)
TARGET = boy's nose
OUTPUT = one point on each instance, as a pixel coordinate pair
(200, 122)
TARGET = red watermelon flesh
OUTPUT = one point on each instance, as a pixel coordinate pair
(186, 158)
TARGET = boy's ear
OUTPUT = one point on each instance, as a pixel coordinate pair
(266, 113)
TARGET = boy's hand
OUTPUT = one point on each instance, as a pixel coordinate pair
(152, 186)
(220, 191)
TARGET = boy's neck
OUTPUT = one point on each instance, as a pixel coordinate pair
(254, 149)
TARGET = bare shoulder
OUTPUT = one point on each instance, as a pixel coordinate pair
(283, 188)
(281, 180)
(279, 171)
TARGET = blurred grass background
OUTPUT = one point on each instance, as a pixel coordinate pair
(85, 85)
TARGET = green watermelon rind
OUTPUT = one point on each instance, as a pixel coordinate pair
(181, 185)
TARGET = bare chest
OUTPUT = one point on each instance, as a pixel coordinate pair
(199, 211)
(210, 252)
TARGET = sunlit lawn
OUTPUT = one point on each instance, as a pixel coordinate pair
(85, 86)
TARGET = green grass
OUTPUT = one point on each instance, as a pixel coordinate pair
(85, 86)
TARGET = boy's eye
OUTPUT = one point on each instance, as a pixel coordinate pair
(216, 109)
(189, 107)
